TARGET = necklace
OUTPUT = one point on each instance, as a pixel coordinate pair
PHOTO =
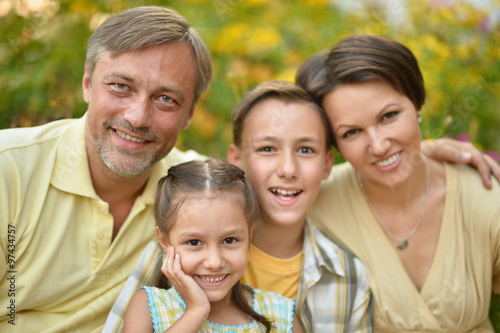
(403, 242)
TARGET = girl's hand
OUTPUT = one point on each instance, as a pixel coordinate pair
(195, 298)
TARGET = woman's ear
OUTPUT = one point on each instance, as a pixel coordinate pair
(162, 238)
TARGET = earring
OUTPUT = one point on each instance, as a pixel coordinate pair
(419, 118)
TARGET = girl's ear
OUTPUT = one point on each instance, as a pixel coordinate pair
(162, 238)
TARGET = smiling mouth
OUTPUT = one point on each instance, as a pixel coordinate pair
(212, 280)
(388, 161)
(128, 137)
(284, 194)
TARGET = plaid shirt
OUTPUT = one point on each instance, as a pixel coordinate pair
(333, 293)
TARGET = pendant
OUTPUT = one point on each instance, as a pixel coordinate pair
(403, 245)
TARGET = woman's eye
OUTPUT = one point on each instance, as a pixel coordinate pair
(166, 99)
(230, 240)
(194, 242)
(350, 133)
(389, 115)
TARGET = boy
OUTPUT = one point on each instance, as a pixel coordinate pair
(282, 140)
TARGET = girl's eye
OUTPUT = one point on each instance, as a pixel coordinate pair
(194, 242)
(389, 115)
(166, 99)
(230, 240)
(350, 133)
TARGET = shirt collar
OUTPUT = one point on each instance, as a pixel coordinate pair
(323, 251)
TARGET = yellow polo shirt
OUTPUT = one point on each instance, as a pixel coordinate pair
(61, 272)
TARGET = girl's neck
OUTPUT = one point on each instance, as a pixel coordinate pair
(277, 240)
(225, 312)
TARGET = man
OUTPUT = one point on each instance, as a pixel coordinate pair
(77, 194)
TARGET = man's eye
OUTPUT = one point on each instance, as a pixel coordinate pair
(121, 85)
(166, 99)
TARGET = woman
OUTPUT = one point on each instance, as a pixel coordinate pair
(428, 232)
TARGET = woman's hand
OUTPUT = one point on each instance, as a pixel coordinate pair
(460, 152)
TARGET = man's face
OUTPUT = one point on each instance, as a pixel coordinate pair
(138, 103)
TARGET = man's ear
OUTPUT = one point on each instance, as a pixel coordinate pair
(187, 122)
(86, 86)
(328, 163)
(234, 155)
(162, 238)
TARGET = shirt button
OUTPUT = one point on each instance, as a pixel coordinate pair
(100, 235)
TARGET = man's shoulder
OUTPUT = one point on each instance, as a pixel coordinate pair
(25, 137)
(177, 156)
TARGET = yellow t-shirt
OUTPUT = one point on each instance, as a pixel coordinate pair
(274, 274)
(60, 270)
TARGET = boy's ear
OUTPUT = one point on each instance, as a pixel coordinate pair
(328, 163)
(234, 155)
(162, 238)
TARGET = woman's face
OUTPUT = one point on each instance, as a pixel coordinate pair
(376, 129)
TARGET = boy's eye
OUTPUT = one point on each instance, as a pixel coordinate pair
(230, 240)
(194, 242)
(266, 149)
(350, 133)
(389, 115)
(306, 150)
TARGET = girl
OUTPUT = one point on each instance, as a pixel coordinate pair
(205, 212)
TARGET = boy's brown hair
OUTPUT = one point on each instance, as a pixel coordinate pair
(280, 90)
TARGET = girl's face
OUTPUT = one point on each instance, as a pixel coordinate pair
(376, 130)
(212, 236)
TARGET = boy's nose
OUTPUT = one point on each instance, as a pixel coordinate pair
(288, 166)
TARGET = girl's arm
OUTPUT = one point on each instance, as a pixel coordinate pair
(197, 304)
(138, 317)
(296, 325)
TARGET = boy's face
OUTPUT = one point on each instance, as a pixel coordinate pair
(283, 153)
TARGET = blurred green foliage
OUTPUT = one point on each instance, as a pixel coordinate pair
(43, 45)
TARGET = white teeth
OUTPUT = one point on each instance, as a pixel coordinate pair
(284, 192)
(388, 161)
(202, 278)
(128, 137)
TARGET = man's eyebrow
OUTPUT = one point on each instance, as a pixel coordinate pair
(119, 75)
